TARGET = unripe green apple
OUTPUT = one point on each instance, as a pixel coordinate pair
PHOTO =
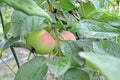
(68, 36)
(41, 41)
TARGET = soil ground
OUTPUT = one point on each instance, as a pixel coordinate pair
(5, 72)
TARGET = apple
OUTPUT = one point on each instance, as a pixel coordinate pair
(68, 35)
(65, 35)
(41, 41)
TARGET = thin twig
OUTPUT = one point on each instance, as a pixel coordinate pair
(58, 40)
(98, 74)
(29, 56)
(7, 65)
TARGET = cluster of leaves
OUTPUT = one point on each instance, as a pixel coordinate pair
(94, 54)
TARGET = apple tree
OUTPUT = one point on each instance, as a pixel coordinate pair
(70, 39)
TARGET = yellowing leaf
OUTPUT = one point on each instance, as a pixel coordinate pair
(1, 51)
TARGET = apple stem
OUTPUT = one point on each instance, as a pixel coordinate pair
(55, 54)
(49, 56)
(58, 40)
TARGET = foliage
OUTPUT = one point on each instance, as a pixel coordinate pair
(94, 53)
(97, 61)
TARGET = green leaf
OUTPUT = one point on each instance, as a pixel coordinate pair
(1, 1)
(76, 74)
(93, 74)
(59, 25)
(69, 47)
(108, 65)
(22, 24)
(63, 5)
(106, 17)
(110, 18)
(107, 47)
(58, 67)
(114, 22)
(7, 27)
(0, 55)
(67, 17)
(87, 9)
(96, 3)
(5, 43)
(29, 7)
(67, 5)
(95, 29)
(7, 79)
(86, 44)
(39, 2)
(57, 5)
(17, 20)
(35, 69)
(70, 50)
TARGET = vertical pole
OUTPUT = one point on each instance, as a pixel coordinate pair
(2, 21)
(12, 49)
